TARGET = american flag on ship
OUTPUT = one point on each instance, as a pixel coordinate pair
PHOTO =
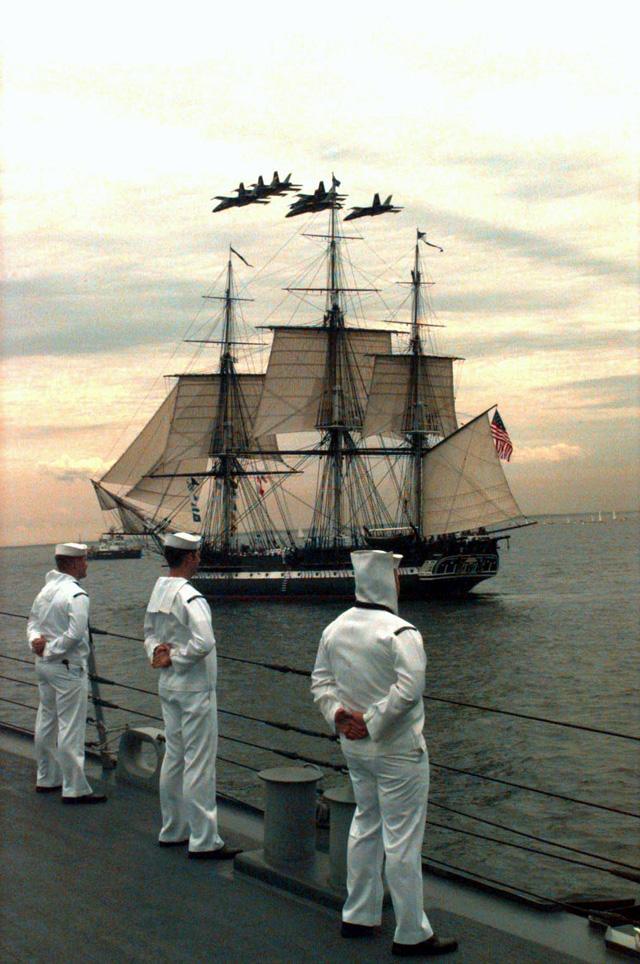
(501, 438)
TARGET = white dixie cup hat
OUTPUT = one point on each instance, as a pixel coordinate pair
(183, 540)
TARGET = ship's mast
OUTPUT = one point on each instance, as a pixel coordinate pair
(230, 440)
(346, 494)
(334, 320)
(416, 435)
(229, 484)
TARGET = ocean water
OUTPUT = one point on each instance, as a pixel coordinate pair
(555, 635)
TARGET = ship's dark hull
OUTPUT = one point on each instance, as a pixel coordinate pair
(445, 576)
(115, 554)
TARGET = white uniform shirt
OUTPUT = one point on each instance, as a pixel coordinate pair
(178, 615)
(372, 661)
(61, 613)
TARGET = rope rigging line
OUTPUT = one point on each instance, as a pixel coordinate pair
(12, 679)
(289, 754)
(307, 732)
(289, 727)
(545, 793)
(281, 726)
(27, 706)
(574, 908)
(625, 875)
(531, 836)
(236, 763)
(283, 668)
(537, 719)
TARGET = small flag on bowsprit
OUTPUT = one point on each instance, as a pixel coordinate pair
(501, 438)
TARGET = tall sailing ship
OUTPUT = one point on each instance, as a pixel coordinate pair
(227, 454)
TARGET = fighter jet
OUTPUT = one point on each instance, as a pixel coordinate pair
(320, 200)
(377, 207)
(277, 188)
(244, 197)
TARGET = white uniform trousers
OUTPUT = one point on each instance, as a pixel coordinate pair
(61, 723)
(391, 794)
(188, 774)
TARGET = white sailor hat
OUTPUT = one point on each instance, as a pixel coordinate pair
(182, 540)
(396, 560)
(73, 549)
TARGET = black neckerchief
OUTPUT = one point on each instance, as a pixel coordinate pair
(366, 605)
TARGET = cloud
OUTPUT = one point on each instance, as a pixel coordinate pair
(559, 452)
(530, 244)
(609, 391)
(552, 340)
(505, 301)
(546, 176)
(67, 469)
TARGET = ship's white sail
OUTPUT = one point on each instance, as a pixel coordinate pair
(146, 449)
(296, 391)
(180, 439)
(390, 409)
(464, 485)
(132, 517)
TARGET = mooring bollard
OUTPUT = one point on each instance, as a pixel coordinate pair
(341, 808)
(289, 815)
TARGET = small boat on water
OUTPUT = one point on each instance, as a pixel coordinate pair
(115, 545)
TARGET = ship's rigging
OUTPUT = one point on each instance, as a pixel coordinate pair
(389, 459)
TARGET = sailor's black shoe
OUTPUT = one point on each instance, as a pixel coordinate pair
(173, 843)
(357, 930)
(222, 853)
(86, 798)
(49, 789)
(435, 945)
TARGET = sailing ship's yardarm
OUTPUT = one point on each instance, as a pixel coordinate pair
(390, 467)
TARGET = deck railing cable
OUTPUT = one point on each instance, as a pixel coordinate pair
(291, 755)
(530, 836)
(515, 889)
(283, 668)
(285, 726)
(625, 875)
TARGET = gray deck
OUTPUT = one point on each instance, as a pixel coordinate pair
(90, 884)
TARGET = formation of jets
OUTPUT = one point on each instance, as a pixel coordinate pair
(377, 207)
(243, 197)
(260, 193)
(320, 200)
(277, 188)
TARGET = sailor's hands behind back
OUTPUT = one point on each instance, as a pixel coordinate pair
(38, 645)
(161, 656)
(350, 723)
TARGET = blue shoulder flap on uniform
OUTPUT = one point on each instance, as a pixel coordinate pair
(76, 594)
(197, 596)
(403, 629)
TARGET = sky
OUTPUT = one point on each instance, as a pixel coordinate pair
(509, 134)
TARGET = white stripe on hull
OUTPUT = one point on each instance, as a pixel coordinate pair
(326, 582)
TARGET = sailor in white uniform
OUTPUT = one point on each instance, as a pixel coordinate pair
(179, 642)
(368, 682)
(58, 633)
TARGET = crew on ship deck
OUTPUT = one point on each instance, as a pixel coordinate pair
(368, 682)
(58, 634)
(179, 642)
